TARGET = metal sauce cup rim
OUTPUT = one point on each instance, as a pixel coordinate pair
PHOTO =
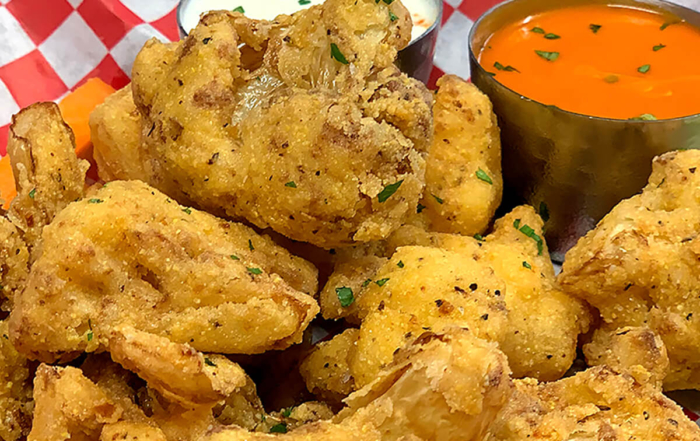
(644, 4)
(436, 22)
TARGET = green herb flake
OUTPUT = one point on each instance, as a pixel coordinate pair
(345, 296)
(392, 16)
(291, 184)
(90, 333)
(549, 56)
(381, 282)
(95, 201)
(420, 208)
(304, 2)
(250, 245)
(479, 237)
(287, 412)
(644, 117)
(234, 257)
(400, 264)
(256, 271)
(658, 47)
(644, 69)
(530, 232)
(388, 2)
(551, 36)
(516, 223)
(32, 193)
(366, 282)
(594, 27)
(669, 23)
(187, 210)
(279, 428)
(388, 191)
(537, 30)
(491, 73)
(508, 68)
(544, 211)
(527, 265)
(337, 55)
(438, 199)
(239, 9)
(484, 177)
(208, 362)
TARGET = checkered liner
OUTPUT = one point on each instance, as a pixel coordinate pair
(50, 47)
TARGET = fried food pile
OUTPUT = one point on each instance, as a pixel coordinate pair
(294, 240)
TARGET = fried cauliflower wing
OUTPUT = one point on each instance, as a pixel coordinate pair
(15, 390)
(130, 256)
(463, 182)
(322, 149)
(326, 370)
(597, 404)
(14, 257)
(48, 174)
(446, 386)
(638, 266)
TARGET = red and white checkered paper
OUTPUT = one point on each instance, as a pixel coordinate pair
(50, 47)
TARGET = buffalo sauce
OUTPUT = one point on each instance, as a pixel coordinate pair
(598, 60)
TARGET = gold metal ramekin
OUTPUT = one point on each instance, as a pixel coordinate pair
(574, 166)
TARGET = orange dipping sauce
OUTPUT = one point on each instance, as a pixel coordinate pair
(606, 61)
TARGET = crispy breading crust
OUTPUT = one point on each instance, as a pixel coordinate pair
(129, 255)
(15, 390)
(14, 256)
(326, 370)
(639, 266)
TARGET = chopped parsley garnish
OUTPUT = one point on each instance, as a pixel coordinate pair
(287, 412)
(304, 2)
(400, 264)
(337, 55)
(537, 30)
(381, 282)
(345, 296)
(595, 28)
(209, 362)
(669, 23)
(234, 257)
(508, 68)
(644, 117)
(90, 334)
(644, 69)
(279, 428)
(239, 9)
(479, 237)
(388, 2)
(484, 177)
(420, 208)
(611, 79)
(438, 199)
(388, 191)
(256, 271)
(250, 245)
(516, 223)
(187, 210)
(530, 232)
(95, 201)
(392, 16)
(527, 265)
(491, 73)
(550, 36)
(549, 56)
(32, 193)
(544, 211)
(366, 282)
(291, 184)
(658, 47)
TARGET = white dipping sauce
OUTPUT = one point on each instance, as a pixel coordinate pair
(423, 12)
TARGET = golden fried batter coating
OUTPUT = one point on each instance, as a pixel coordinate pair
(115, 130)
(463, 182)
(48, 174)
(639, 265)
(15, 390)
(280, 133)
(598, 404)
(440, 387)
(130, 256)
(326, 370)
(14, 259)
(69, 406)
